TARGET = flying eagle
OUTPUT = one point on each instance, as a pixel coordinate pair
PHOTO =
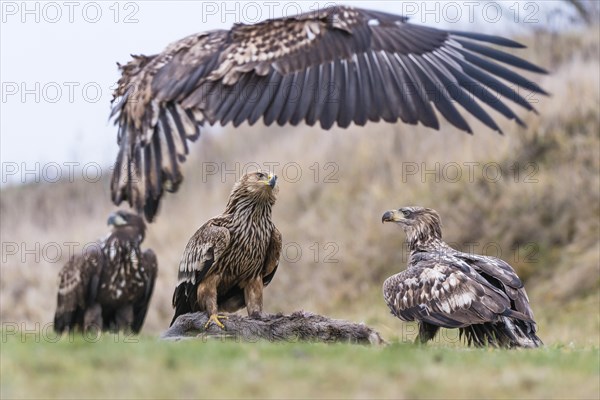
(110, 285)
(229, 260)
(443, 287)
(336, 65)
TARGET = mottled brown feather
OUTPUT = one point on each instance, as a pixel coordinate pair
(110, 286)
(231, 253)
(442, 287)
(77, 288)
(355, 65)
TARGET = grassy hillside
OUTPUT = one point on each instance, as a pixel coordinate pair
(531, 197)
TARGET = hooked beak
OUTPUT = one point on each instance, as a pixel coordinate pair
(390, 216)
(272, 181)
(116, 220)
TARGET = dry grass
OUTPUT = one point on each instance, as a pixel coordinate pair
(546, 226)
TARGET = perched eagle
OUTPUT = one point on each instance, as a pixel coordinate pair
(110, 285)
(231, 257)
(443, 287)
(337, 65)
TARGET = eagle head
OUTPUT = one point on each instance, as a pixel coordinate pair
(420, 224)
(126, 221)
(260, 185)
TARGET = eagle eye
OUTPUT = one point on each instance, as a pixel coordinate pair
(261, 175)
(406, 213)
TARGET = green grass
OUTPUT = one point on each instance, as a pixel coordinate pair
(137, 367)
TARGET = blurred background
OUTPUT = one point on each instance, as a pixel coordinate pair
(530, 196)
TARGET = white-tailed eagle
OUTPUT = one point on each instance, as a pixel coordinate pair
(109, 286)
(441, 287)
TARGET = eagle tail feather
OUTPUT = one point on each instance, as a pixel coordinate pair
(426, 332)
(506, 333)
(183, 297)
(523, 333)
(68, 320)
(62, 322)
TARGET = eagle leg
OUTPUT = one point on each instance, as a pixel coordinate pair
(207, 299)
(214, 318)
(253, 295)
(123, 318)
(426, 332)
(92, 319)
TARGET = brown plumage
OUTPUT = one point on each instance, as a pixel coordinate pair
(336, 65)
(108, 287)
(442, 287)
(232, 256)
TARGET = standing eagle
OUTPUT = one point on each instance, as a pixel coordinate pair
(231, 257)
(335, 65)
(443, 287)
(110, 285)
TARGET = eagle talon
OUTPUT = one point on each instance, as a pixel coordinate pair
(214, 318)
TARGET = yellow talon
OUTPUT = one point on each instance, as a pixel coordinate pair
(215, 319)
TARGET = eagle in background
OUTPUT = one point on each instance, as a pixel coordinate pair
(336, 65)
(233, 256)
(441, 287)
(109, 286)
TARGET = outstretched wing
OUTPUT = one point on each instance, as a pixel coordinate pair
(77, 288)
(336, 65)
(199, 256)
(447, 294)
(149, 269)
(153, 127)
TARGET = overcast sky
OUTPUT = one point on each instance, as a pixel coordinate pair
(58, 59)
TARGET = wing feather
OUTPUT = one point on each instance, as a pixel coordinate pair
(417, 90)
(203, 250)
(293, 99)
(266, 96)
(498, 270)
(307, 95)
(381, 105)
(77, 288)
(318, 108)
(436, 292)
(347, 64)
(239, 101)
(272, 258)
(278, 101)
(436, 93)
(460, 95)
(149, 268)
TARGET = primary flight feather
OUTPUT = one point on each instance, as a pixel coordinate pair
(337, 65)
